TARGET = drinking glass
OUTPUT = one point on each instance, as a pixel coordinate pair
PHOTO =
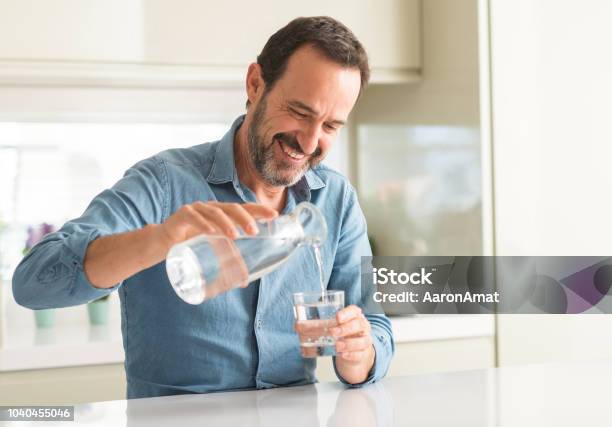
(316, 313)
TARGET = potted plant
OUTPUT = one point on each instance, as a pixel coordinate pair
(45, 318)
(97, 311)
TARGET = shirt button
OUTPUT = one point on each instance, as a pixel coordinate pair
(259, 323)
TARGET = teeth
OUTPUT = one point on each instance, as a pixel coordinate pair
(291, 153)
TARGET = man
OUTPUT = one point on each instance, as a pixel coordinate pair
(300, 92)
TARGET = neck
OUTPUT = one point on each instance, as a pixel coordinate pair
(266, 194)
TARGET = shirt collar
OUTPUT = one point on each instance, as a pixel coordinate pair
(224, 168)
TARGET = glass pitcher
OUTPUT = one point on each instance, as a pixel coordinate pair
(207, 265)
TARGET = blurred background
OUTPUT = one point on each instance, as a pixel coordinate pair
(484, 131)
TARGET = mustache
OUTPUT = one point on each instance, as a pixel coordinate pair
(291, 142)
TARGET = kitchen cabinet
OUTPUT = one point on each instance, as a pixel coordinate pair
(430, 357)
(42, 374)
(155, 42)
(434, 343)
(74, 384)
(61, 386)
(235, 33)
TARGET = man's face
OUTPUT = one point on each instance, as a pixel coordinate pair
(294, 124)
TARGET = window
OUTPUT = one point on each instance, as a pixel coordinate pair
(420, 188)
(49, 172)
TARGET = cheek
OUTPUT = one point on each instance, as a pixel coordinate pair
(284, 124)
(325, 144)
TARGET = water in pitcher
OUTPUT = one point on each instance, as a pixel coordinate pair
(206, 265)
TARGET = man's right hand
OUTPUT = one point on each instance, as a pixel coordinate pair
(111, 259)
(213, 218)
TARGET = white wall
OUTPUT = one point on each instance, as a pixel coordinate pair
(551, 92)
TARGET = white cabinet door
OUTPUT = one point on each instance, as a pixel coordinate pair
(233, 32)
(71, 30)
(185, 39)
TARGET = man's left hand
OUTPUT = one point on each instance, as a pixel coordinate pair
(354, 344)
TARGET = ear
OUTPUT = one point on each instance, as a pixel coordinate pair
(254, 83)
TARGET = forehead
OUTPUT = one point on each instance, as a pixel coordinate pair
(313, 79)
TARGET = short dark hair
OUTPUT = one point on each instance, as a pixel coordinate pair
(329, 36)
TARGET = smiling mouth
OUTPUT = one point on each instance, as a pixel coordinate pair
(291, 153)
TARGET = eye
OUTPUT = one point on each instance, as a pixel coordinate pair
(297, 113)
(330, 127)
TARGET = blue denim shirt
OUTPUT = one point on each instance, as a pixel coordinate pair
(242, 339)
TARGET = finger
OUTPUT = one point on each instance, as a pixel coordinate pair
(348, 313)
(308, 351)
(218, 218)
(307, 334)
(197, 222)
(240, 216)
(353, 344)
(260, 211)
(313, 327)
(366, 324)
(231, 263)
(300, 327)
(353, 356)
(354, 326)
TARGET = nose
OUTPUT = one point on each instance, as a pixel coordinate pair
(309, 139)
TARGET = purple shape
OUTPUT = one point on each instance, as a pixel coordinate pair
(582, 283)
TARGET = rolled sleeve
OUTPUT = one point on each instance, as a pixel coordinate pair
(75, 248)
(51, 275)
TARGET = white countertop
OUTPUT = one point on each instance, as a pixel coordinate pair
(537, 395)
(73, 342)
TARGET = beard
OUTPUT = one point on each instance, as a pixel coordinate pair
(278, 173)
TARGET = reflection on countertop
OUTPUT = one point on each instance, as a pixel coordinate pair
(555, 394)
